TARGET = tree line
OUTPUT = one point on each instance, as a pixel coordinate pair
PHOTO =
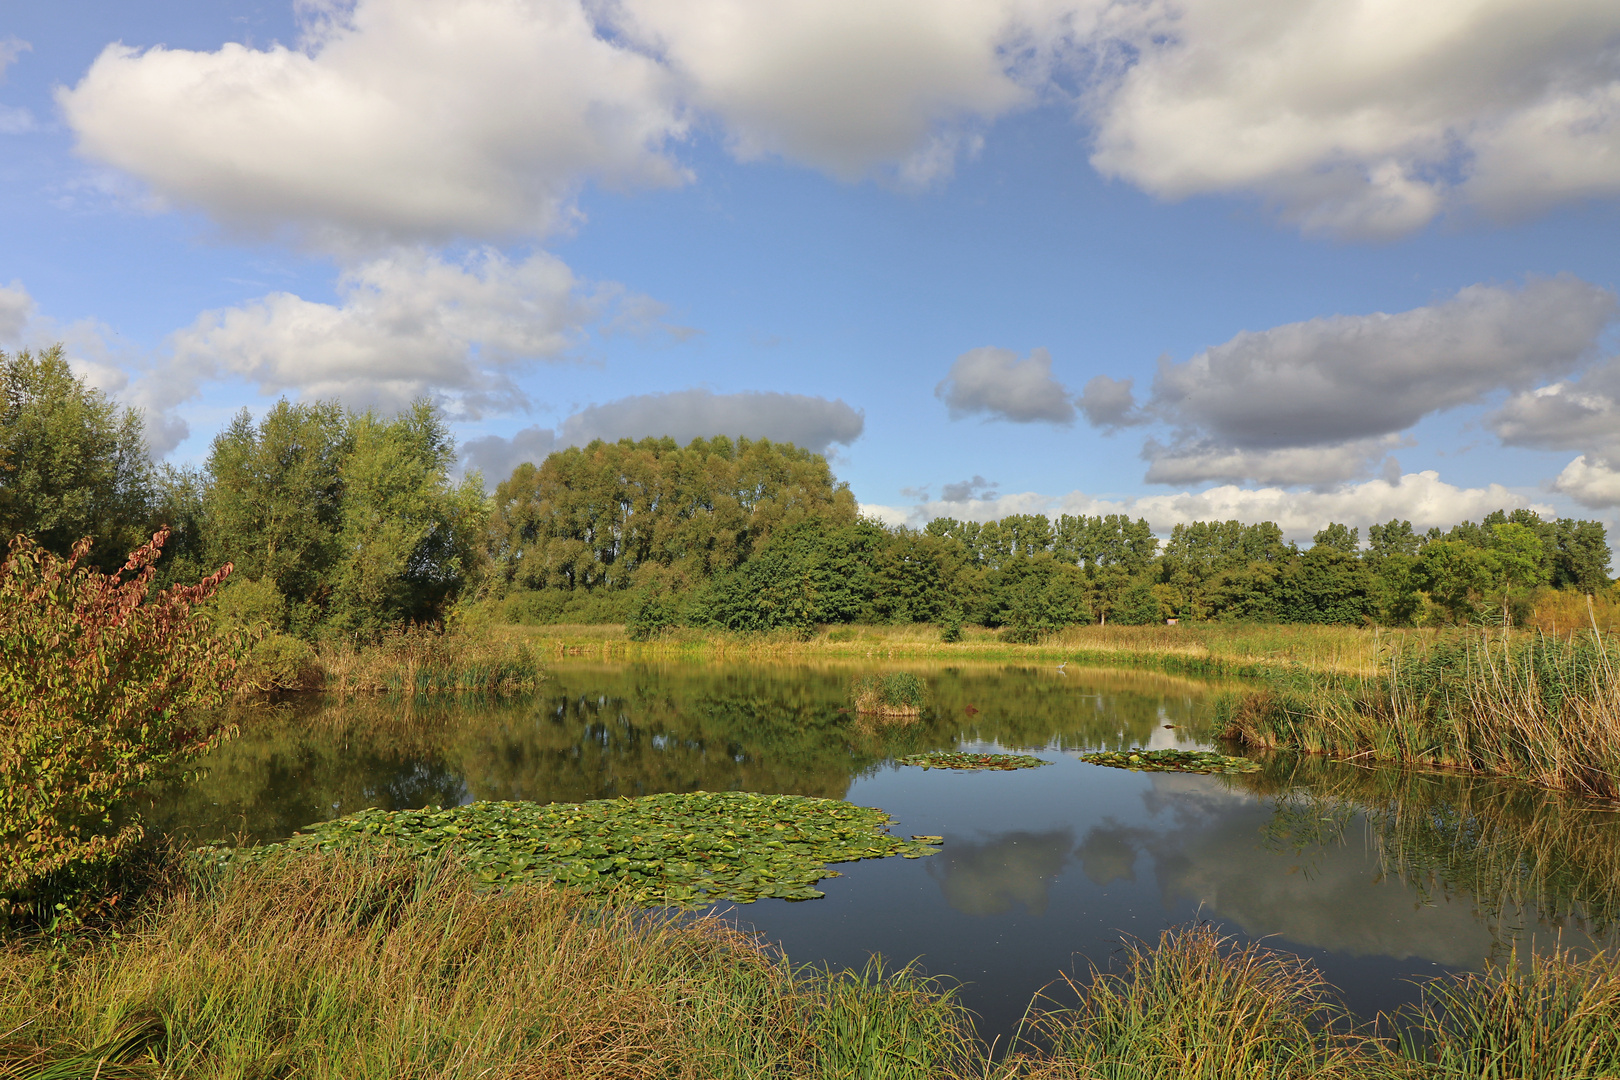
(344, 523)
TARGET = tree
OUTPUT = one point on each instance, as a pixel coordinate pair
(1337, 537)
(351, 518)
(71, 463)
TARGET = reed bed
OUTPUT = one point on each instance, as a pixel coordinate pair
(1528, 706)
(417, 661)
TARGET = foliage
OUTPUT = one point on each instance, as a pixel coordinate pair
(1190, 761)
(350, 519)
(658, 850)
(71, 463)
(591, 517)
(100, 685)
(892, 693)
(954, 759)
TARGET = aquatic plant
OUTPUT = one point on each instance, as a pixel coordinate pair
(1190, 761)
(675, 849)
(954, 759)
(891, 694)
(1528, 706)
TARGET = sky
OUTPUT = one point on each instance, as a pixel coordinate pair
(1290, 260)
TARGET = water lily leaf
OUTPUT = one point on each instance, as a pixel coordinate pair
(672, 849)
(942, 759)
(1192, 761)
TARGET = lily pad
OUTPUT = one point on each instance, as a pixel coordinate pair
(670, 850)
(1193, 761)
(941, 759)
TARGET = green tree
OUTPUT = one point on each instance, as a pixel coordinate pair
(1339, 537)
(72, 464)
(351, 518)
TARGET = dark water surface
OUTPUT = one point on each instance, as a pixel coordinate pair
(1379, 875)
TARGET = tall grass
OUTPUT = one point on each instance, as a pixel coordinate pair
(1528, 706)
(1555, 1019)
(1198, 1006)
(373, 965)
(385, 967)
(419, 661)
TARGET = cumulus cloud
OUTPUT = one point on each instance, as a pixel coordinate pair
(1355, 118)
(814, 423)
(1285, 466)
(394, 120)
(1590, 482)
(1421, 497)
(407, 324)
(845, 86)
(994, 383)
(1573, 414)
(1110, 403)
(1323, 401)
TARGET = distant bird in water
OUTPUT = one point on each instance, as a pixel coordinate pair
(1062, 666)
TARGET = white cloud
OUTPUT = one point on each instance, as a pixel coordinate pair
(1590, 482)
(10, 49)
(846, 86)
(395, 120)
(814, 423)
(1422, 498)
(15, 120)
(1322, 401)
(1366, 117)
(996, 384)
(408, 324)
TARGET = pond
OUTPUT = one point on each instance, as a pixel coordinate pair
(1381, 876)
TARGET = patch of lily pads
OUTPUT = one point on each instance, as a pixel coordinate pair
(1189, 761)
(669, 850)
(955, 759)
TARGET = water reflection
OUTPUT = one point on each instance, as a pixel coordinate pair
(1379, 875)
(988, 878)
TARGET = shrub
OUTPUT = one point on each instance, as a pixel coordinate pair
(652, 613)
(100, 685)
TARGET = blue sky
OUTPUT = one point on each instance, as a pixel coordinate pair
(1354, 264)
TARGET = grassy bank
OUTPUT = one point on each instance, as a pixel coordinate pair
(1528, 706)
(379, 966)
(1237, 649)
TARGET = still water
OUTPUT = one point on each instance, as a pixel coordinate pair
(1381, 876)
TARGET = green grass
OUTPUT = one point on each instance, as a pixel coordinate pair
(890, 693)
